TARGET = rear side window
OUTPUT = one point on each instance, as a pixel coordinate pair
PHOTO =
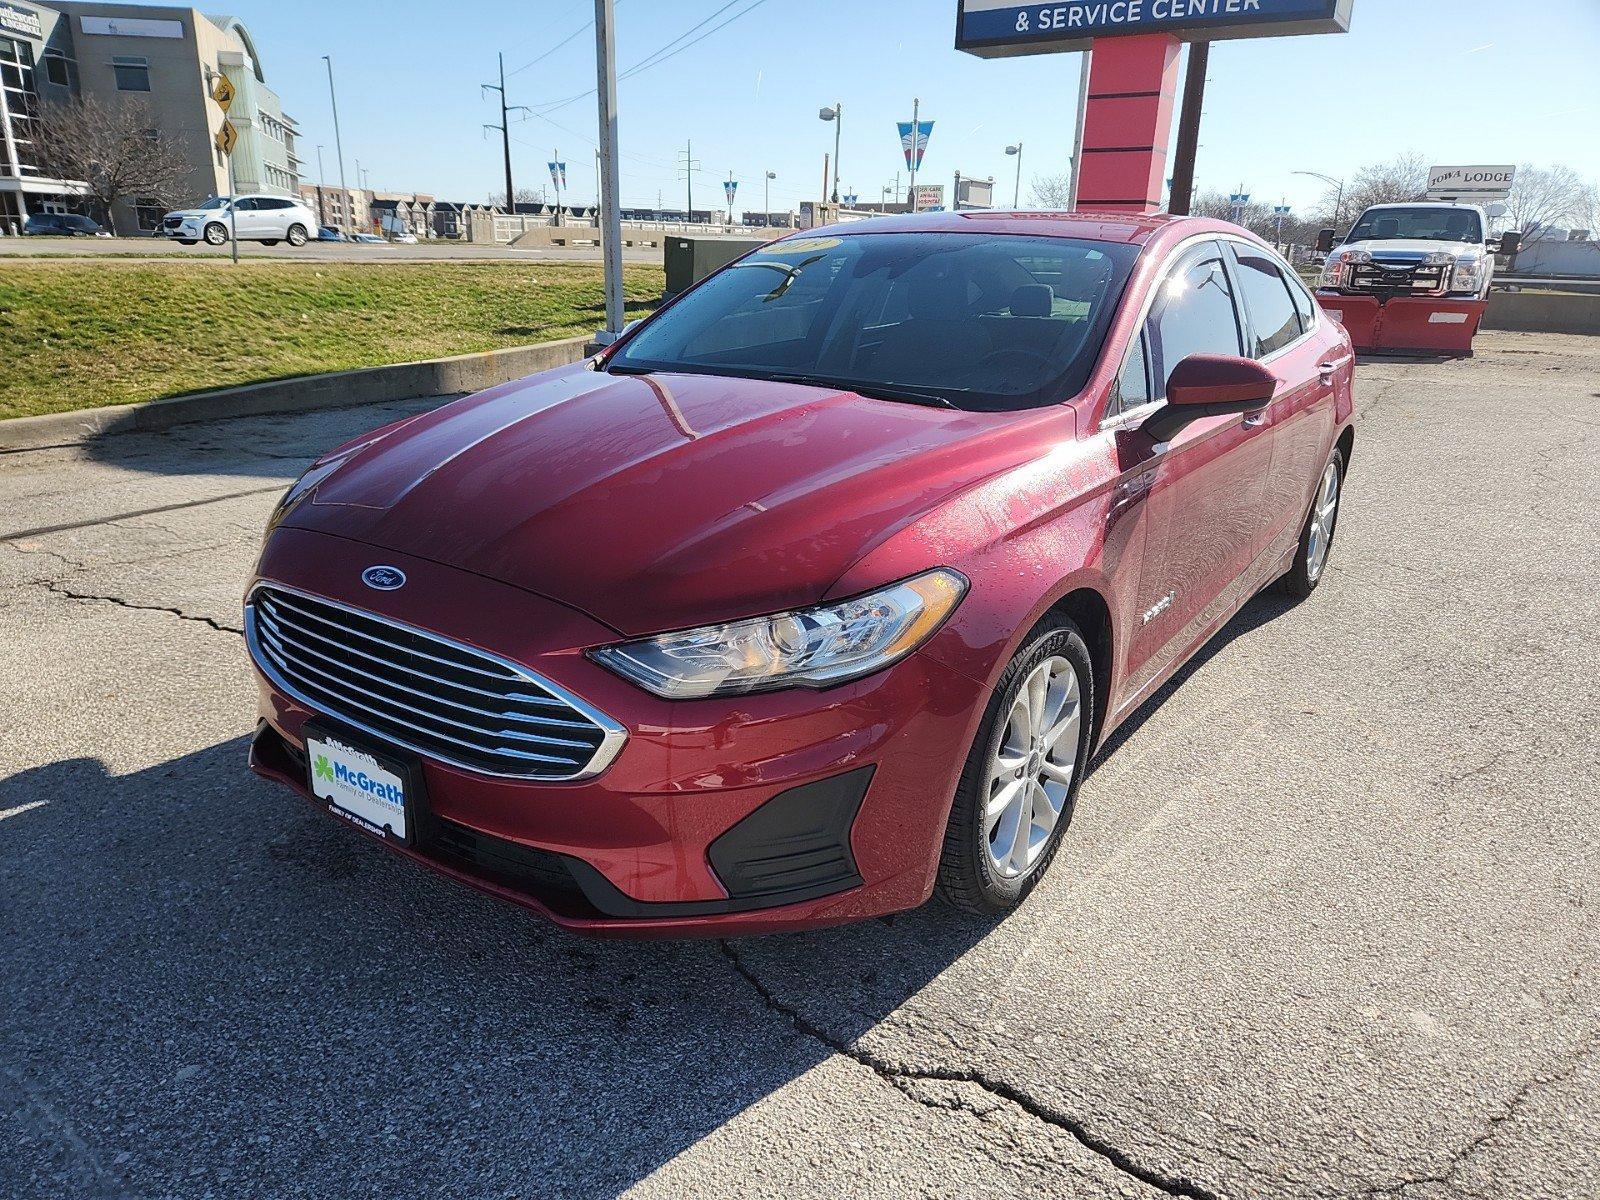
(1193, 313)
(1274, 321)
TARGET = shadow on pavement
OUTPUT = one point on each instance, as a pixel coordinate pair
(212, 985)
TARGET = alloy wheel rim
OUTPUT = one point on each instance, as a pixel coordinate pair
(1031, 771)
(1324, 511)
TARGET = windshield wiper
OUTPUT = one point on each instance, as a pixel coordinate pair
(873, 391)
(618, 368)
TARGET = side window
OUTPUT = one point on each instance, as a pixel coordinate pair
(1132, 387)
(1274, 321)
(1193, 313)
(1303, 304)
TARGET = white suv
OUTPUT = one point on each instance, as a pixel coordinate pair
(265, 219)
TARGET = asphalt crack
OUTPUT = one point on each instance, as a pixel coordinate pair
(61, 589)
(1491, 1127)
(903, 1078)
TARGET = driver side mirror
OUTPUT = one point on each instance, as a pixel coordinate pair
(1325, 240)
(1510, 242)
(1210, 385)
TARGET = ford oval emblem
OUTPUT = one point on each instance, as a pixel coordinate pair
(385, 579)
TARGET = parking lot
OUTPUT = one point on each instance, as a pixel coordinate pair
(1325, 924)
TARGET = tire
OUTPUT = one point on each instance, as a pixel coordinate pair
(983, 868)
(185, 241)
(269, 241)
(1316, 536)
(298, 236)
(216, 235)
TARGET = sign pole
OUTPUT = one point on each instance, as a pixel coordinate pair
(1181, 200)
(1077, 136)
(610, 187)
(916, 137)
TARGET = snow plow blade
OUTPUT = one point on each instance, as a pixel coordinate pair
(1407, 324)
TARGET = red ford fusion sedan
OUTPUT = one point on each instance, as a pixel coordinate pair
(814, 594)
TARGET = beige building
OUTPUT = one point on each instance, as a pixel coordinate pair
(348, 209)
(164, 57)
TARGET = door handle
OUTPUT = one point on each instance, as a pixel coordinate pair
(1326, 370)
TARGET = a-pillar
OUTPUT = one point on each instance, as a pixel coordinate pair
(1127, 123)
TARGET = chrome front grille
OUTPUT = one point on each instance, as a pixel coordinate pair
(1405, 278)
(445, 700)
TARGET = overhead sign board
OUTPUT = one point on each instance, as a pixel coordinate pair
(1470, 183)
(1000, 28)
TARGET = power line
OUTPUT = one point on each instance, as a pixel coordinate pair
(659, 56)
(552, 50)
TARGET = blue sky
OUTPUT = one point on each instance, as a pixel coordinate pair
(1460, 81)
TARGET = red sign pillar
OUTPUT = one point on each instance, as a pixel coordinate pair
(1127, 122)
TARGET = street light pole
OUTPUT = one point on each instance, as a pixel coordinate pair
(766, 200)
(322, 215)
(1016, 196)
(836, 115)
(916, 147)
(338, 141)
(1338, 201)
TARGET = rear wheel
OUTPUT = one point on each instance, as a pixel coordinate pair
(297, 235)
(1316, 538)
(1020, 783)
(216, 235)
(269, 241)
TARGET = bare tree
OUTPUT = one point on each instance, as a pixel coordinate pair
(524, 196)
(1051, 191)
(116, 150)
(1547, 198)
(1397, 181)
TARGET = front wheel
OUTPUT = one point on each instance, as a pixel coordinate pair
(297, 236)
(185, 241)
(269, 241)
(1316, 538)
(1020, 783)
(216, 235)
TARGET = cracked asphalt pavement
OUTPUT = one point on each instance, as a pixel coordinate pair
(1325, 925)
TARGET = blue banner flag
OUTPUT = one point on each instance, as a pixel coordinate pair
(915, 146)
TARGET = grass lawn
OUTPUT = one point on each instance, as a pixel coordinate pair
(84, 334)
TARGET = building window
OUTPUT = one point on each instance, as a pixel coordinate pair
(133, 74)
(149, 214)
(60, 70)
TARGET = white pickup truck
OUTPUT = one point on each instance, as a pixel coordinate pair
(1424, 249)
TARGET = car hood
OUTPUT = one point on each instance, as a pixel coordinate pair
(1409, 247)
(656, 502)
(195, 214)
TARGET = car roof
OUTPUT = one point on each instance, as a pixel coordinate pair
(1130, 228)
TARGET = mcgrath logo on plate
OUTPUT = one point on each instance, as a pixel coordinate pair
(385, 579)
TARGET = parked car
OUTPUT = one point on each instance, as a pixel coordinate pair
(815, 593)
(368, 239)
(404, 239)
(63, 225)
(329, 233)
(265, 219)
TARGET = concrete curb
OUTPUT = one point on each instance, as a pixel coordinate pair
(338, 389)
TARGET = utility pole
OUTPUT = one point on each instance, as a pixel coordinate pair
(689, 167)
(505, 129)
(338, 141)
(610, 215)
(1194, 98)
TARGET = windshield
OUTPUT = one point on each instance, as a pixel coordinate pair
(1427, 224)
(974, 320)
(215, 202)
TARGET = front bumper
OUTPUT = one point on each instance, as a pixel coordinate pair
(748, 814)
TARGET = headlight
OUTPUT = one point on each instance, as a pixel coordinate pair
(1468, 276)
(812, 647)
(1336, 271)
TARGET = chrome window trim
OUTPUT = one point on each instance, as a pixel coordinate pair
(613, 738)
(1122, 420)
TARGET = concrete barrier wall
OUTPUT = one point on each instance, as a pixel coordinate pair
(1543, 312)
(340, 389)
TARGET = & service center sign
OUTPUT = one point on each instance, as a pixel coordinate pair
(997, 28)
